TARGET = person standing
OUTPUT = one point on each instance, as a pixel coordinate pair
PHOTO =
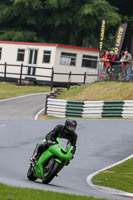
(107, 64)
(105, 57)
(114, 69)
(128, 61)
(123, 66)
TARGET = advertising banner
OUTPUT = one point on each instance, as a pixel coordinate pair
(102, 32)
(119, 38)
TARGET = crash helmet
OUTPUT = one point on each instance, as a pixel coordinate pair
(70, 125)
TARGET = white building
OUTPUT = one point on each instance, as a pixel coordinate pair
(62, 58)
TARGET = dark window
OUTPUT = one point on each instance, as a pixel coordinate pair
(30, 57)
(89, 61)
(68, 59)
(46, 56)
(20, 55)
(33, 56)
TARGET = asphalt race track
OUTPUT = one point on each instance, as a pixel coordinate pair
(100, 143)
(24, 107)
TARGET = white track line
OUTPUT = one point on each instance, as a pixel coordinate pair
(39, 112)
(106, 189)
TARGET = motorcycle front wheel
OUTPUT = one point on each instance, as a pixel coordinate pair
(54, 170)
(30, 174)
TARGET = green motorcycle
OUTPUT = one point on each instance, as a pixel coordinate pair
(48, 165)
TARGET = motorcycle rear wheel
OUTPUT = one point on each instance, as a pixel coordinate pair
(30, 174)
(47, 179)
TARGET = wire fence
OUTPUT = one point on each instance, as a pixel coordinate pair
(116, 72)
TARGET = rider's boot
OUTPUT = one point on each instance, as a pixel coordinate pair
(35, 153)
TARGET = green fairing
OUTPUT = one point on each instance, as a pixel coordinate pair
(53, 151)
(59, 161)
(38, 170)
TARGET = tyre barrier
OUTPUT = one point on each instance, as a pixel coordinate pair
(89, 109)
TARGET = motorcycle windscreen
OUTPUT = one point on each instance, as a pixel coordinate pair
(65, 143)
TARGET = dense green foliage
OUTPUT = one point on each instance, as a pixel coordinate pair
(62, 21)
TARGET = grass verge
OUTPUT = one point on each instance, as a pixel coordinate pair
(119, 177)
(100, 91)
(104, 91)
(14, 193)
(11, 90)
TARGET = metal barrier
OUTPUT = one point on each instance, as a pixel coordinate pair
(89, 109)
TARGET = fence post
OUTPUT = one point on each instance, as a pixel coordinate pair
(84, 78)
(46, 101)
(5, 71)
(21, 71)
(69, 80)
(98, 70)
(52, 78)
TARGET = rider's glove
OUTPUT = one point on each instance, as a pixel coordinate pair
(49, 142)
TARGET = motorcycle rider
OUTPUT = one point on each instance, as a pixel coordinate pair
(67, 131)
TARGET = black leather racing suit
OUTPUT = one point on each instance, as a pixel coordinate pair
(61, 132)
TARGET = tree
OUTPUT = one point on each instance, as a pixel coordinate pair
(90, 17)
(57, 21)
(125, 10)
(18, 20)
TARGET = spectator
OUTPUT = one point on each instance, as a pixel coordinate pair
(124, 68)
(114, 69)
(128, 61)
(107, 63)
(105, 57)
(103, 53)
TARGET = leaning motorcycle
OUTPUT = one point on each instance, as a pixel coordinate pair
(48, 165)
